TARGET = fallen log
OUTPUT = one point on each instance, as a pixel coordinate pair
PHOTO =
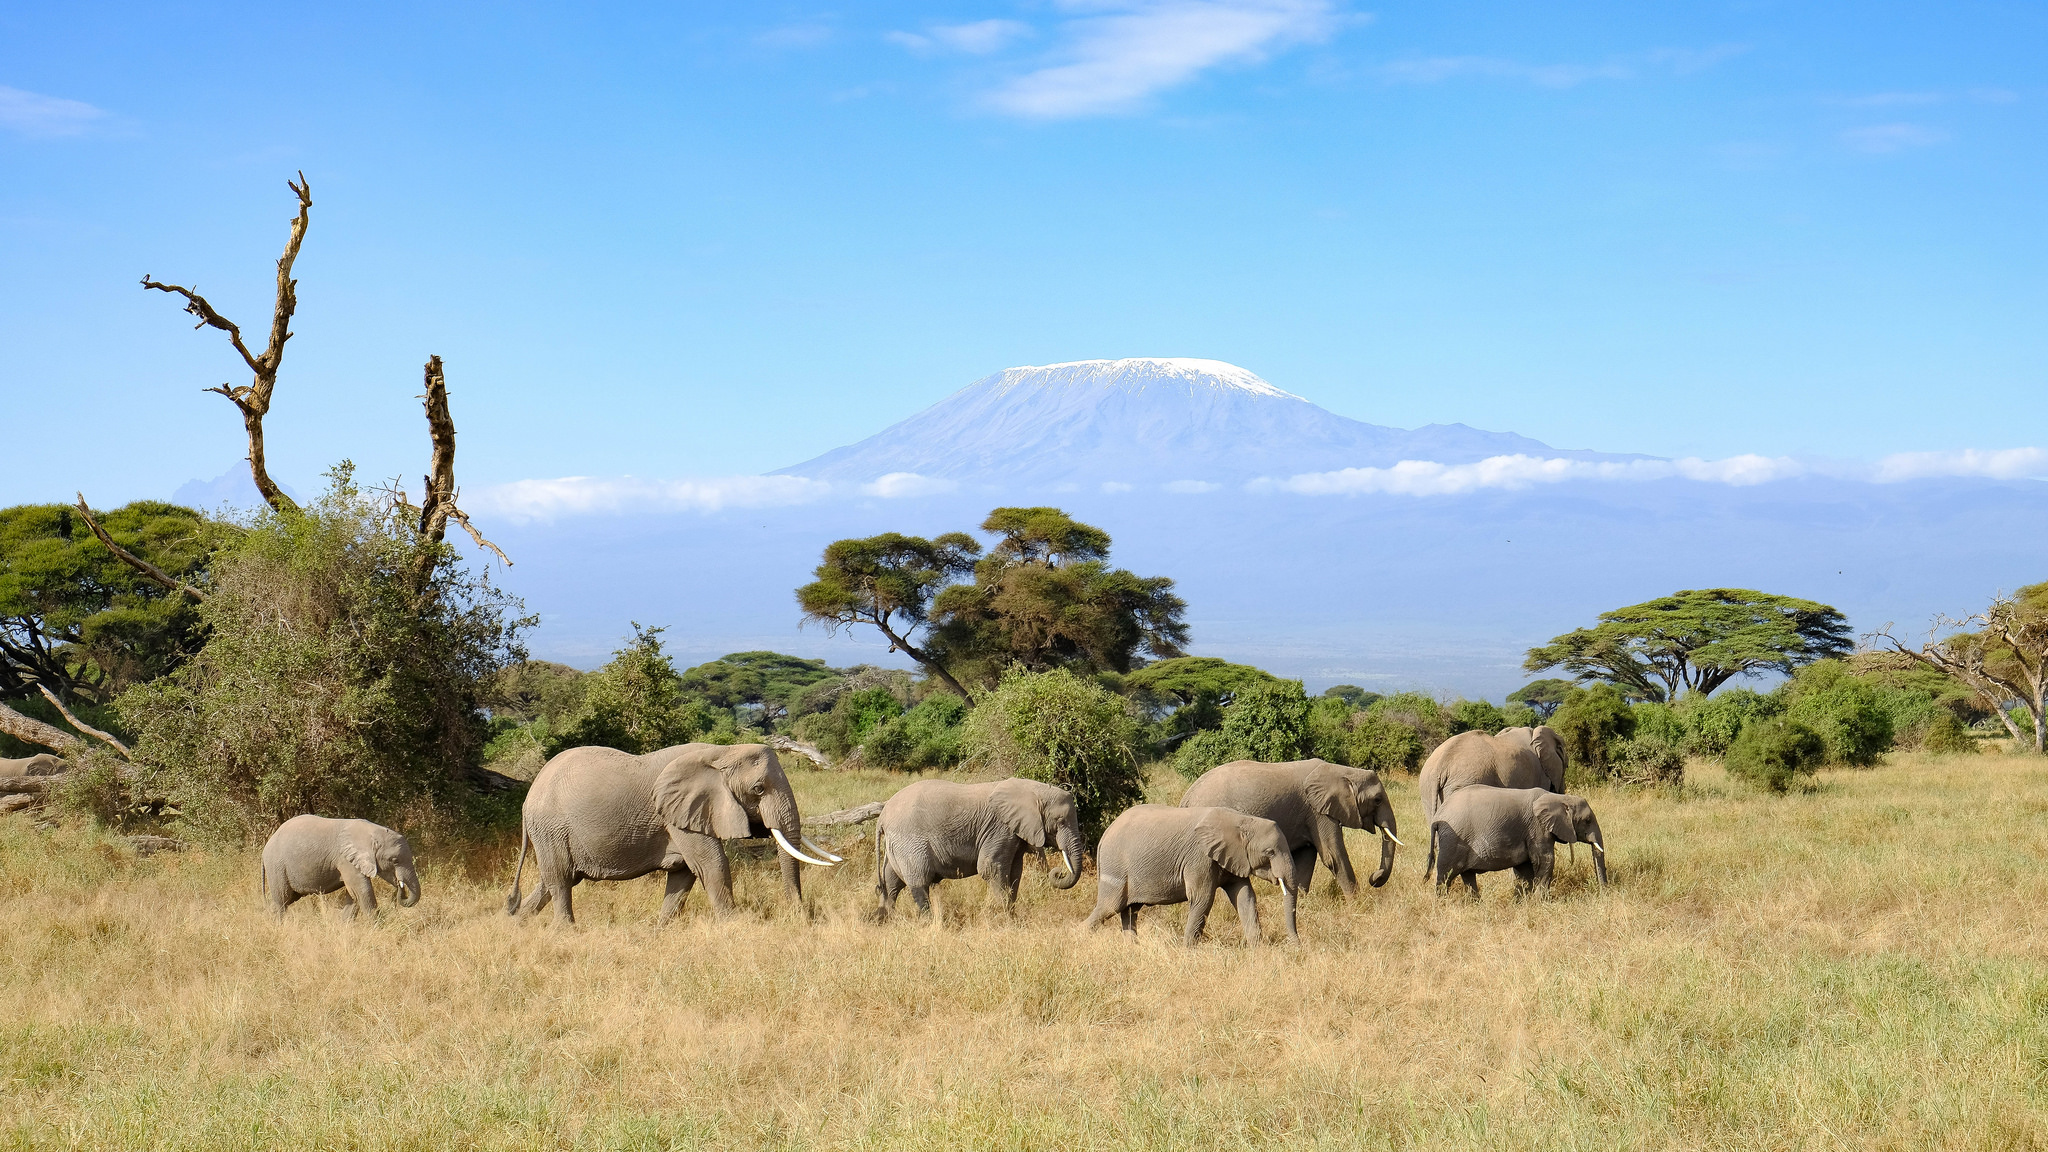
(860, 815)
(785, 744)
(17, 803)
(30, 785)
(147, 845)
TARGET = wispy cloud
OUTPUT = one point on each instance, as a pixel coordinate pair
(1883, 138)
(905, 485)
(35, 115)
(1659, 61)
(1115, 61)
(1992, 464)
(979, 38)
(527, 500)
(1429, 478)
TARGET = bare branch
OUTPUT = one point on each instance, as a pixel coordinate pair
(438, 506)
(253, 400)
(81, 725)
(29, 730)
(136, 562)
(462, 518)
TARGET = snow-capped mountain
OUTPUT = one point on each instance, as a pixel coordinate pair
(1144, 420)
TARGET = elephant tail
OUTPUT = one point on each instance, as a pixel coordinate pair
(1429, 865)
(881, 873)
(518, 870)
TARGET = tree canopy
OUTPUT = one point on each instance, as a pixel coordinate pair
(1696, 641)
(1043, 597)
(75, 618)
(2004, 659)
(768, 681)
(1542, 696)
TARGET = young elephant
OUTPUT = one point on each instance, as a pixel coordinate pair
(1153, 854)
(312, 856)
(936, 830)
(1485, 829)
(1312, 801)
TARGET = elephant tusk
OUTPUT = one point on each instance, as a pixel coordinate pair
(1595, 845)
(1388, 833)
(813, 846)
(1283, 885)
(783, 841)
(1071, 870)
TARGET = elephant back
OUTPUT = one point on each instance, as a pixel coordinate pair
(1270, 791)
(1476, 758)
(594, 788)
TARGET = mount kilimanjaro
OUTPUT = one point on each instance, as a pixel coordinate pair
(1143, 421)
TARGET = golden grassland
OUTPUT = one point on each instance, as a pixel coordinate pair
(1859, 965)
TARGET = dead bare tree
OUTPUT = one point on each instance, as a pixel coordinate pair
(437, 505)
(254, 398)
(2005, 659)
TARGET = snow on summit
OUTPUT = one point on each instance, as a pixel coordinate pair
(1140, 421)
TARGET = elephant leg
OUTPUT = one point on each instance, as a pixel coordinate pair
(1525, 878)
(1129, 918)
(1109, 901)
(1247, 903)
(921, 895)
(536, 900)
(1002, 871)
(1201, 895)
(677, 890)
(1471, 880)
(705, 857)
(362, 897)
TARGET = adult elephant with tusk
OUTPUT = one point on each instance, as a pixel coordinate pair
(937, 830)
(603, 814)
(1312, 801)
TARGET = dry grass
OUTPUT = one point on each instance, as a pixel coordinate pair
(1857, 966)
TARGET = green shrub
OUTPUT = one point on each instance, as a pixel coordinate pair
(344, 672)
(923, 739)
(1205, 750)
(1519, 716)
(1269, 721)
(1420, 714)
(1662, 724)
(1772, 753)
(1057, 727)
(1848, 713)
(1384, 744)
(1947, 734)
(635, 703)
(1329, 729)
(1590, 722)
(1476, 716)
(1716, 721)
(1646, 759)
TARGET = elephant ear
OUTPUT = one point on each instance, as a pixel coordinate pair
(1330, 794)
(692, 795)
(1222, 832)
(1020, 811)
(359, 847)
(1554, 817)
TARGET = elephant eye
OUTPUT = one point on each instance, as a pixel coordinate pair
(760, 788)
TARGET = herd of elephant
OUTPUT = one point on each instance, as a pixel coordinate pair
(1493, 802)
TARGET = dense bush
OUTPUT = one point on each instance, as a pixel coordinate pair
(1773, 753)
(1591, 721)
(1205, 750)
(1716, 721)
(1476, 716)
(1646, 759)
(1269, 721)
(926, 737)
(1946, 733)
(1065, 730)
(1420, 714)
(1519, 716)
(635, 703)
(1384, 744)
(1847, 712)
(344, 672)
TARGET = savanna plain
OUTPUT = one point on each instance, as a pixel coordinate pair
(1859, 964)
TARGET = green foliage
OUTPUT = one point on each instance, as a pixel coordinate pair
(1065, 730)
(635, 703)
(867, 710)
(755, 688)
(1205, 750)
(344, 672)
(1714, 722)
(1773, 753)
(1476, 716)
(923, 739)
(1661, 724)
(74, 617)
(1519, 716)
(1383, 742)
(1696, 641)
(1352, 695)
(1329, 729)
(1646, 759)
(1591, 721)
(887, 582)
(1420, 714)
(1848, 713)
(1270, 721)
(1946, 733)
(1541, 696)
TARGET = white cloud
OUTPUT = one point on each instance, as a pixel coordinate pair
(1882, 138)
(899, 485)
(1429, 478)
(976, 39)
(1996, 464)
(1113, 62)
(35, 115)
(526, 500)
(1113, 487)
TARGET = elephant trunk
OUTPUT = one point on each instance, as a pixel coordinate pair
(1599, 854)
(407, 881)
(1385, 821)
(1070, 849)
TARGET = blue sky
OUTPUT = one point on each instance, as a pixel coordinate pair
(697, 240)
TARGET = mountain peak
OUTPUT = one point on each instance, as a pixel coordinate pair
(1135, 373)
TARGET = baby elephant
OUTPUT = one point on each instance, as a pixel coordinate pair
(937, 830)
(312, 856)
(1153, 854)
(1485, 829)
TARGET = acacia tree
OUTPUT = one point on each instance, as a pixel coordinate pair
(888, 582)
(2005, 659)
(1696, 641)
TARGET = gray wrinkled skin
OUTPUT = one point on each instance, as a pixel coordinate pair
(1484, 829)
(313, 855)
(1517, 758)
(937, 830)
(1153, 854)
(594, 814)
(1312, 801)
